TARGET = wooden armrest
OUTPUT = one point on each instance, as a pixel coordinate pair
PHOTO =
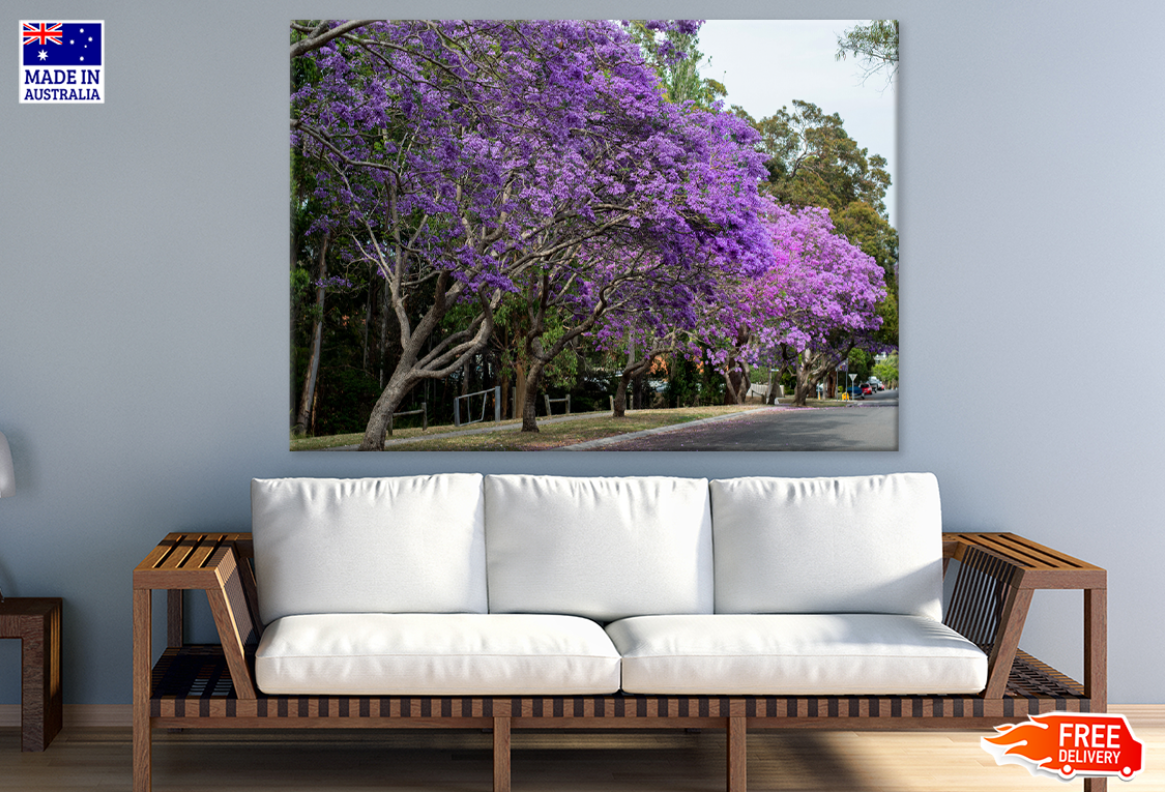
(210, 562)
(1038, 566)
(998, 572)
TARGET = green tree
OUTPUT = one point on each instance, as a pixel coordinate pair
(887, 370)
(871, 232)
(812, 161)
(875, 45)
(860, 362)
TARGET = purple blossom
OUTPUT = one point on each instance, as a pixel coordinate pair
(333, 282)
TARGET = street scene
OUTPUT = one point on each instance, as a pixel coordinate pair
(867, 423)
(870, 425)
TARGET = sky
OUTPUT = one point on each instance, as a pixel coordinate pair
(766, 64)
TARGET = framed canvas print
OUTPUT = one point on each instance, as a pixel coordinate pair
(592, 234)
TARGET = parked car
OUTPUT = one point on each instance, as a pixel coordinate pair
(867, 389)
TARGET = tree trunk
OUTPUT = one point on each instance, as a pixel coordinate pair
(804, 384)
(384, 313)
(367, 359)
(533, 381)
(632, 377)
(439, 362)
(639, 390)
(307, 397)
(382, 411)
(737, 382)
(535, 354)
(771, 391)
(620, 410)
(293, 405)
(519, 390)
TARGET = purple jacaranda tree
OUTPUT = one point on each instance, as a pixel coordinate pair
(825, 290)
(661, 313)
(656, 270)
(472, 161)
(816, 295)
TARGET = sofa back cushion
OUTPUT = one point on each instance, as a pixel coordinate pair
(383, 545)
(603, 548)
(870, 544)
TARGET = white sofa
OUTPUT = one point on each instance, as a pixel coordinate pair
(508, 585)
(517, 602)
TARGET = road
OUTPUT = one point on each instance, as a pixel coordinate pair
(866, 425)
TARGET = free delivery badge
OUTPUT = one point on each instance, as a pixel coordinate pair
(1066, 745)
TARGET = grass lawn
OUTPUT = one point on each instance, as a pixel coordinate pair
(588, 426)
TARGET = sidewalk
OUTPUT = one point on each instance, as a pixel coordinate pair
(587, 446)
(492, 427)
(591, 445)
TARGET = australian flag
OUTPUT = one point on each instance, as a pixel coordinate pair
(61, 43)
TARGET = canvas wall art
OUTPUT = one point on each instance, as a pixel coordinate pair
(665, 235)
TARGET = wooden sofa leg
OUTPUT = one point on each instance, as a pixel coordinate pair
(737, 755)
(142, 735)
(501, 754)
(1095, 785)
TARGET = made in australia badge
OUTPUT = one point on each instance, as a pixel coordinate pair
(62, 62)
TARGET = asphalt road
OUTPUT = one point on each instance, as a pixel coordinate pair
(866, 425)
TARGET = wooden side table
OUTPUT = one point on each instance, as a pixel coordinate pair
(36, 621)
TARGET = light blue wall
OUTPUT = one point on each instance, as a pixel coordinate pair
(143, 310)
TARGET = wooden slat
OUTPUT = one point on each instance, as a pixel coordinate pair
(233, 623)
(1033, 688)
(250, 590)
(1044, 567)
(1006, 642)
(202, 551)
(181, 551)
(166, 567)
(160, 552)
(1038, 555)
(181, 560)
(981, 587)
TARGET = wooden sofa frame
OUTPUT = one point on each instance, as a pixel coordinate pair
(211, 686)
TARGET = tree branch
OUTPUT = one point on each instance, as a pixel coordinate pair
(317, 37)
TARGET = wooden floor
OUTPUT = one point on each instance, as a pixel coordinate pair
(351, 761)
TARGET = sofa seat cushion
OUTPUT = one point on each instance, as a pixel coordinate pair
(458, 654)
(796, 655)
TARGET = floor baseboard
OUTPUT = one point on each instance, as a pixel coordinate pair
(84, 716)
